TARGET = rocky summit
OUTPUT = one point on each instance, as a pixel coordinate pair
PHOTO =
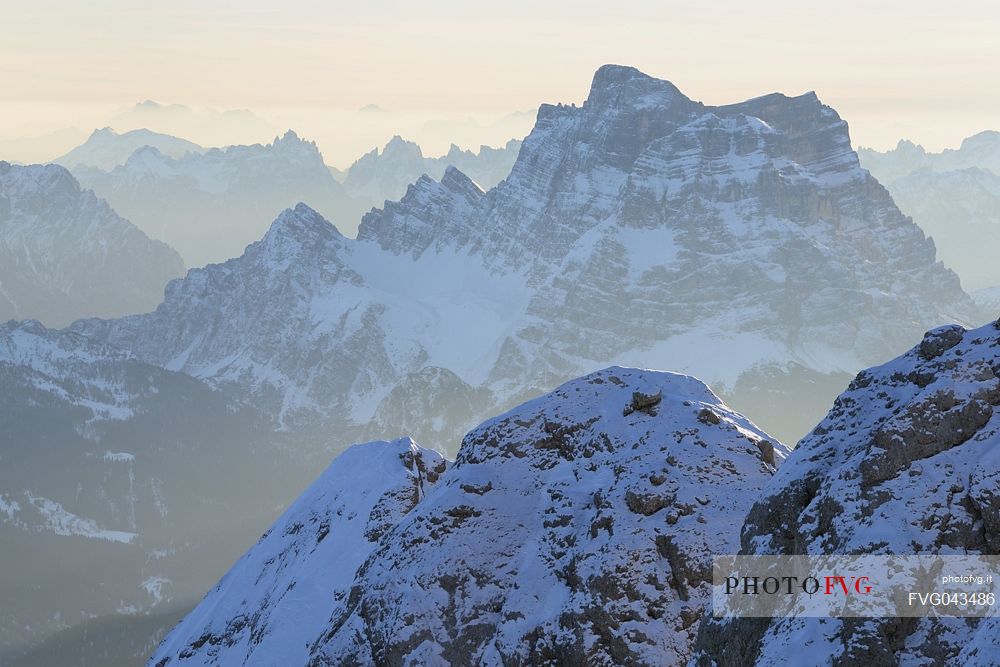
(577, 528)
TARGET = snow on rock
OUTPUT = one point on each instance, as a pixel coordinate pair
(278, 597)
(382, 176)
(906, 462)
(69, 369)
(44, 515)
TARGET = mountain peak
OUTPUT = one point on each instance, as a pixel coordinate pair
(398, 147)
(661, 487)
(615, 83)
(289, 137)
(102, 132)
(51, 179)
(333, 526)
(302, 224)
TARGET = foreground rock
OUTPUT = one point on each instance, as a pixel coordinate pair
(906, 462)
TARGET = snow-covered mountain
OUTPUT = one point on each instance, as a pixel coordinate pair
(110, 494)
(954, 196)
(65, 254)
(906, 462)
(106, 149)
(743, 244)
(577, 528)
(380, 176)
(210, 205)
(280, 595)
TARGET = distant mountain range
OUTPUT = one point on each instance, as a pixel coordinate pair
(380, 176)
(106, 149)
(210, 204)
(954, 196)
(65, 254)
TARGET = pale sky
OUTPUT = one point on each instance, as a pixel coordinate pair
(929, 71)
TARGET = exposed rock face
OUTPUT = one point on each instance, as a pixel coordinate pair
(431, 215)
(211, 205)
(907, 461)
(564, 533)
(641, 228)
(278, 597)
(64, 254)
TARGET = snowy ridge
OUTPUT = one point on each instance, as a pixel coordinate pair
(68, 368)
